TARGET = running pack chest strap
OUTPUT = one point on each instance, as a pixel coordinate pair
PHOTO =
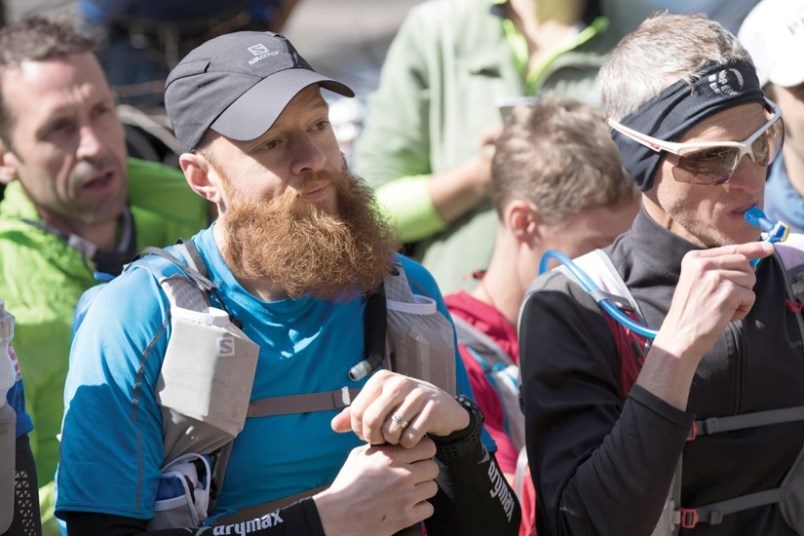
(304, 403)
(418, 343)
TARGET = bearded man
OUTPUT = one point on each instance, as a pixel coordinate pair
(296, 254)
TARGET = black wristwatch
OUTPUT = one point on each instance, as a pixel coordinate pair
(461, 442)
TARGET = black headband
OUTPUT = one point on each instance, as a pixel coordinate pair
(681, 106)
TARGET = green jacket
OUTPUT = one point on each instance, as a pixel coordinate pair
(42, 277)
(445, 71)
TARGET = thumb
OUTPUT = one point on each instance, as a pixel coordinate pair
(342, 422)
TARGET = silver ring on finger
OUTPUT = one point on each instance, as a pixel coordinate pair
(400, 421)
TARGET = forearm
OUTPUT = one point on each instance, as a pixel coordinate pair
(457, 191)
(620, 485)
(474, 496)
(298, 519)
(407, 203)
(668, 374)
(422, 205)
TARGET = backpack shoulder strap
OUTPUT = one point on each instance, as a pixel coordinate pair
(187, 286)
(631, 347)
(791, 254)
(471, 337)
(601, 270)
(791, 251)
(374, 321)
(393, 298)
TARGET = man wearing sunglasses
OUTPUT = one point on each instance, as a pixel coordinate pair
(696, 134)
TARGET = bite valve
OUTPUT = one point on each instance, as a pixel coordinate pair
(772, 232)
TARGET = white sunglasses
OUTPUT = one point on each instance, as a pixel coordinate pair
(714, 162)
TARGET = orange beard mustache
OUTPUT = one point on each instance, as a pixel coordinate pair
(304, 248)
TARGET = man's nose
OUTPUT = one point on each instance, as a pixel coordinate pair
(308, 156)
(749, 176)
(89, 143)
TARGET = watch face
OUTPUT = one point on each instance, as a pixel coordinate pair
(471, 406)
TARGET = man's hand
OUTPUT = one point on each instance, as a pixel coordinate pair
(396, 409)
(458, 190)
(716, 286)
(380, 490)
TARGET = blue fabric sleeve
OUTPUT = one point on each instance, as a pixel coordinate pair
(114, 365)
(16, 399)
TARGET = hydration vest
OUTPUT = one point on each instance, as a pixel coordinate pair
(632, 349)
(202, 415)
(501, 372)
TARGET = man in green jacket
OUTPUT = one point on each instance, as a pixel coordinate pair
(74, 207)
(429, 133)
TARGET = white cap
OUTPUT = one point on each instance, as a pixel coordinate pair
(773, 33)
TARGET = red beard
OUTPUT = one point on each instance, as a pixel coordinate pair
(307, 250)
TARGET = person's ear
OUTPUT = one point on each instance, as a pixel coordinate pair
(8, 165)
(523, 221)
(201, 176)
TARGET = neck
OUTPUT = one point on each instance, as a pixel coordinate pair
(102, 234)
(263, 290)
(500, 286)
(566, 12)
(544, 24)
(794, 166)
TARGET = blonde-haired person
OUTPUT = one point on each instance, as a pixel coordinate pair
(557, 183)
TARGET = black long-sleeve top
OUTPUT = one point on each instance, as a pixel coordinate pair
(603, 465)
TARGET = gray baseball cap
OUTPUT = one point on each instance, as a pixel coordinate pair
(237, 85)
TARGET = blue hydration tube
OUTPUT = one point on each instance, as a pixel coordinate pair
(589, 286)
(772, 232)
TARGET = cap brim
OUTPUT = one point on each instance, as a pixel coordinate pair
(258, 108)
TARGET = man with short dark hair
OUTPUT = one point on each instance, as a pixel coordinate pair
(74, 205)
(290, 274)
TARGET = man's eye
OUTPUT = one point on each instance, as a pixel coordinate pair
(60, 127)
(321, 125)
(101, 110)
